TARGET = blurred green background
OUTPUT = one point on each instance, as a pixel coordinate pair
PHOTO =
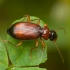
(56, 13)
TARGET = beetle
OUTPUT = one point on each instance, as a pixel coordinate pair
(29, 31)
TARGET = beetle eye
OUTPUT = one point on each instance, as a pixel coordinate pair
(53, 35)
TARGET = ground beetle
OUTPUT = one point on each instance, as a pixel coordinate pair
(29, 31)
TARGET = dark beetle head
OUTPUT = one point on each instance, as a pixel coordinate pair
(53, 35)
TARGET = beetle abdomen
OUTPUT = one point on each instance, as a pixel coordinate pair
(25, 31)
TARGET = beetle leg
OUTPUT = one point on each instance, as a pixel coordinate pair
(38, 22)
(36, 43)
(28, 18)
(12, 43)
(42, 42)
(33, 49)
(8, 42)
(19, 43)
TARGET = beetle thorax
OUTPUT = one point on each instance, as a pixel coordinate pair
(45, 33)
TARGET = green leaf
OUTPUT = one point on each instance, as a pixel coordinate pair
(29, 68)
(3, 56)
(20, 56)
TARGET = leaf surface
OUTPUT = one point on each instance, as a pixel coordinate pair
(3, 56)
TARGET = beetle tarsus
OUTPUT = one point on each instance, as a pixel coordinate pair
(19, 43)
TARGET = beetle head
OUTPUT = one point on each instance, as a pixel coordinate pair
(53, 35)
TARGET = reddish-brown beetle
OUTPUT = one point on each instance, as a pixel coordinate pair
(28, 31)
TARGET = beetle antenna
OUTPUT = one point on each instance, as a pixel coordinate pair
(62, 29)
(59, 51)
